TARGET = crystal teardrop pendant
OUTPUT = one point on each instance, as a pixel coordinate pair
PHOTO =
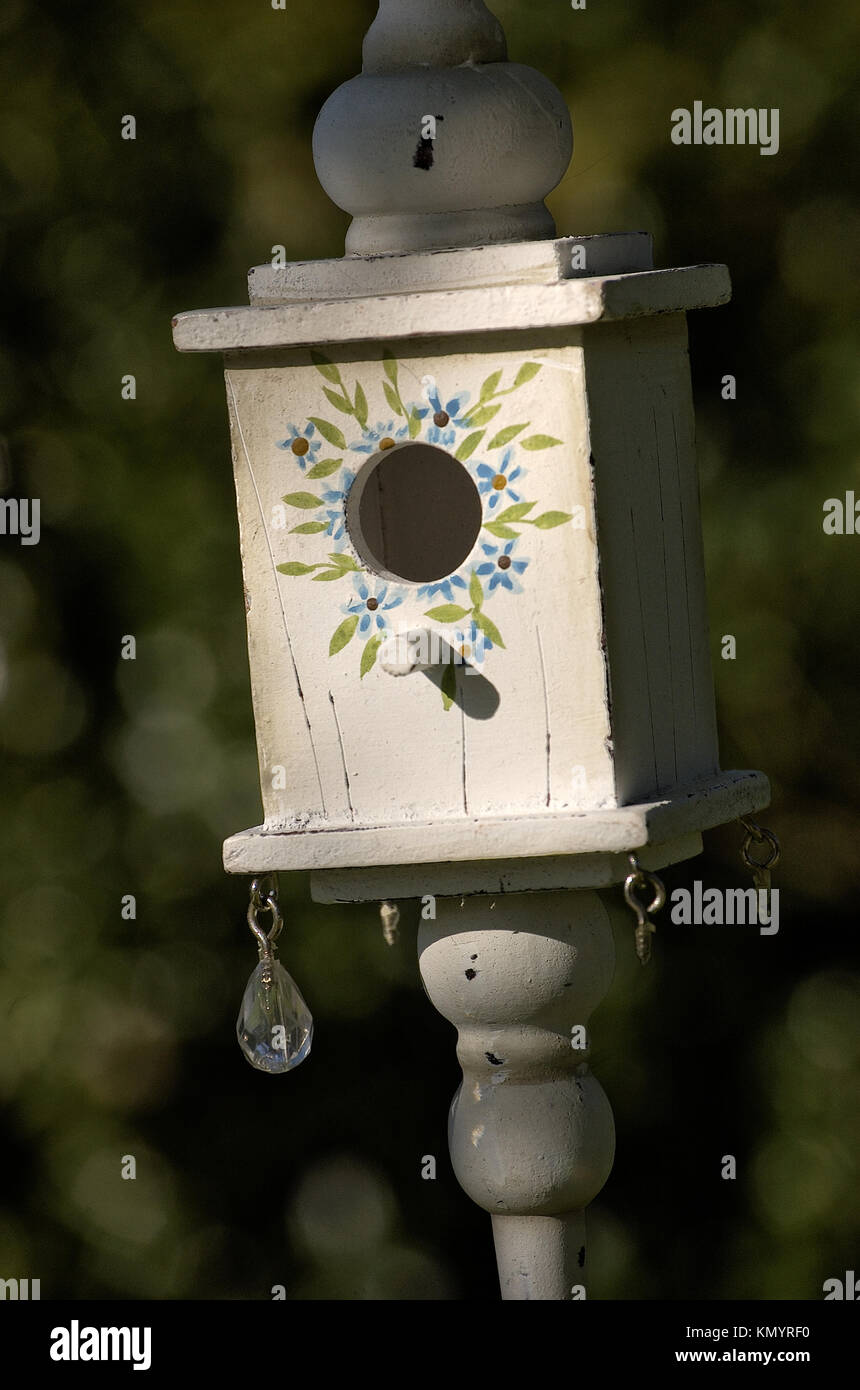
(274, 1027)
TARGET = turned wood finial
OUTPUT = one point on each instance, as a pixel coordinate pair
(440, 141)
(432, 33)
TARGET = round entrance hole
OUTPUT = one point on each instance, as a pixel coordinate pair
(414, 513)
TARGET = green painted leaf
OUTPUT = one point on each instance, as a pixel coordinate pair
(484, 414)
(469, 445)
(506, 435)
(476, 591)
(325, 365)
(489, 627)
(526, 372)
(496, 528)
(392, 397)
(360, 405)
(305, 500)
(489, 387)
(340, 402)
(414, 424)
(328, 575)
(342, 635)
(449, 686)
(389, 366)
(547, 520)
(329, 432)
(515, 513)
(324, 468)
(368, 656)
(309, 528)
(539, 441)
(293, 567)
(447, 613)
(341, 561)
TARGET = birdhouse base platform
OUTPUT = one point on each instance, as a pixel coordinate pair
(498, 854)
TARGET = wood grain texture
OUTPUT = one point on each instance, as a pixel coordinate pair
(651, 561)
(686, 810)
(530, 730)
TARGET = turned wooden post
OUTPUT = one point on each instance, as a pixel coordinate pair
(530, 1129)
(469, 516)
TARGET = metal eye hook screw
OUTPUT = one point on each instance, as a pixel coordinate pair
(759, 868)
(389, 914)
(641, 878)
(264, 898)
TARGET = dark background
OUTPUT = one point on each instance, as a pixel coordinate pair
(122, 777)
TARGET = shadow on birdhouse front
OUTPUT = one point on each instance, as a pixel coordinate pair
(461, 683)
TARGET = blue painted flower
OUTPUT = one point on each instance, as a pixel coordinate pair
(447, 418)
(383, 435)
(445, 587)
(302, 444)
(371, 601)
(336, 506)
(470, 644)
(500, 569)
(497, 481)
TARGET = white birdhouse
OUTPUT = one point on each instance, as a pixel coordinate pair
(473, 565)
(469, 518)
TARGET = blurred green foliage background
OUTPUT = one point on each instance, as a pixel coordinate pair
(117, 1037)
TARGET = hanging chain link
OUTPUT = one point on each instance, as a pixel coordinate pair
(264, 898)
(759, 868)
(645, 928)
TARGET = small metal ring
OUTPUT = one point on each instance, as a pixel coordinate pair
(756, 834)
(263, 887)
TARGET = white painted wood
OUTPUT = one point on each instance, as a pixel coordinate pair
(522, 263)
(614, 831)
(541, 1257)
(285, 736)
(541, 873)
(444, 33)
(531, 732)
(530, 1130)
(641, 439)
(500, 135)
(488, 308)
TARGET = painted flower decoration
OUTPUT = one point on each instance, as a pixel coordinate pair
(447, 418)
(335, 500)
(500, 570)
(445, 587)
(496, 483)
(457, 602)
(383, 435)
(470, 644)
(302, 445)
(370, 602)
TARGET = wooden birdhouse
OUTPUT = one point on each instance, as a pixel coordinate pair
(468, 507)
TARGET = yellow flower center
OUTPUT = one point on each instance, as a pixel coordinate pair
(500, 482)
(387, 442)
(300, 446)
